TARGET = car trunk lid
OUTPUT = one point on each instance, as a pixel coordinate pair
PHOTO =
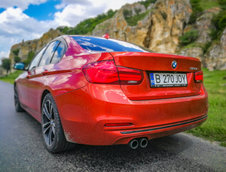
(152, 63)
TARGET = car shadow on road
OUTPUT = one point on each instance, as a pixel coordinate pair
(117, 156)
(122, 157)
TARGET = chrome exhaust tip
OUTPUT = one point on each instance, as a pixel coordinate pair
(143, 142)
(133, 144)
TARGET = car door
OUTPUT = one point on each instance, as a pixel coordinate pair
(39, 79)
(23, 83)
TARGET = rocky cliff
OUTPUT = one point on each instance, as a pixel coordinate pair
(118, 28)
(214, 55)
(157, 26)
(159, 30)
(22, 49)
(215, 58)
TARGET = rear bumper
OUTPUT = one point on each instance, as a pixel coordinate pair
(84, 112)
(167, 126)
(161, 131)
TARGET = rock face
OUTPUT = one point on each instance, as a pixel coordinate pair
(159, 30)
(32, 46)
(192, 52)
(24, 48)
(204, 25)
(166, 25)
(118, 28)
(216, 56)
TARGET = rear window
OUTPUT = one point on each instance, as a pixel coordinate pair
(106, 45)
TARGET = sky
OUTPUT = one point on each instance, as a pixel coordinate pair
(29, 19)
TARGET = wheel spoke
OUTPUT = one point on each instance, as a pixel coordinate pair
(50, 136)
(46, 129)
(46, 124)
(49, 106)
(53, 129)
(46, 113)
(51, 110)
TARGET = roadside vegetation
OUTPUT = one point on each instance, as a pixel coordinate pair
(11, 77)
(6, 63)
(214, 129)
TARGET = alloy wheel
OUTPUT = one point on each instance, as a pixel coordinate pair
(48, 125)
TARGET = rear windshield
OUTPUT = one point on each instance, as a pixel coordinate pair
(106, 45)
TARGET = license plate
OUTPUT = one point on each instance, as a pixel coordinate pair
(168, 79)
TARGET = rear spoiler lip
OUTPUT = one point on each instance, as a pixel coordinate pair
(149, 54)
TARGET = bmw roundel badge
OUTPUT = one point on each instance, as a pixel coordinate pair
(174, 64)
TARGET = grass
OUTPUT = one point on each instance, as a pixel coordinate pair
(194, 44)
(207, 4)
(11, 77)
(214, 129)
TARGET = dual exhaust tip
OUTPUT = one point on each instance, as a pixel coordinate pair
(135, 143)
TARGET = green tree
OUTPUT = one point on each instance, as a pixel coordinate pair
(16, 52)
(17, 59)
(30, 56)
(110, 13)
(6, 63)
(87, 26)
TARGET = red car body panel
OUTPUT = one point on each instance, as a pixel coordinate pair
(85, 108)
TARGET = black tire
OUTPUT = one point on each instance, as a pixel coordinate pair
(18, 107)
(52, 130)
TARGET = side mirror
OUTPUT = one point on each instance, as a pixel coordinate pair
(19, 66)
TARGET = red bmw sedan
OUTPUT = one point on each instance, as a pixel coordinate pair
(98, 91)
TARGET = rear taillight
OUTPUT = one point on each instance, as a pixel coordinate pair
(199, 76)
(101, 72)
(129, 76)
(105, 72)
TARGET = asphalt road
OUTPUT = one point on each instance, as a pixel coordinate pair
(21, 149)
